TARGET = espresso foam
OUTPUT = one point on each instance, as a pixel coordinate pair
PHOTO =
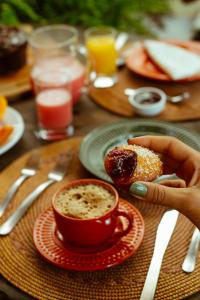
(85, 201)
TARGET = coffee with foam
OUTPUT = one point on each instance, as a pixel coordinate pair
(85, 201)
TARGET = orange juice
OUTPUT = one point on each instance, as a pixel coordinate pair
(102, 54)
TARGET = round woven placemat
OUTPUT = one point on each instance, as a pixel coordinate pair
(22, 265)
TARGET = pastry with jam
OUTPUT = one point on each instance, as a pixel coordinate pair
(129, 163)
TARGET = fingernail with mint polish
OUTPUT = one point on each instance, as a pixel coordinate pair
(138, 189)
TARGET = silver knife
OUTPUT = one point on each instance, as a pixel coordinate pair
(190, 260)
(163, 235)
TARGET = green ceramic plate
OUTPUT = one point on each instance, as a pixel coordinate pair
(97, 143)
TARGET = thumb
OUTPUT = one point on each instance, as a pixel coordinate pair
(159, 194)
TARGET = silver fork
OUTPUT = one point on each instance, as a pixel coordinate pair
(57, 174)
(29, 170)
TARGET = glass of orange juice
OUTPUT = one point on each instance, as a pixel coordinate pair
(102, 55)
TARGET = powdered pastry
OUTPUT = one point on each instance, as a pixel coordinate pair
(129, 163)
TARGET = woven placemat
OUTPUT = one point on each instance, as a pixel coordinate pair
(22, 265)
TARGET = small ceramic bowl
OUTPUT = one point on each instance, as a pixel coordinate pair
(148, 101)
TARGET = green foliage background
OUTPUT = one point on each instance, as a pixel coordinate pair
(122, 14)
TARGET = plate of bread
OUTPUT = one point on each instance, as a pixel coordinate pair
(166, 60)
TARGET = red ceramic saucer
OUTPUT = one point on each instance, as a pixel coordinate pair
(54, 251)
(140, 63)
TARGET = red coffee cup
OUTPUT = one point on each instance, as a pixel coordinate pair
(91, 232)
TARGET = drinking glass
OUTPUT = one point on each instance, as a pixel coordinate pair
(54, 105)
(55, 47)
(102, 55)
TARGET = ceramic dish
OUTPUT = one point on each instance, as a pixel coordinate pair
(148, 101)
(97, 143)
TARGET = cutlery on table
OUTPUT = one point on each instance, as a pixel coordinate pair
(163, 235)
(28, 170)
(178, 98)
(57, 174)
(191, 257)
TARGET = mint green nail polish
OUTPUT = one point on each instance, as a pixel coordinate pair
(138, 189)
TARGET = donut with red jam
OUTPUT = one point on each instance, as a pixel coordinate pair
(129, 163)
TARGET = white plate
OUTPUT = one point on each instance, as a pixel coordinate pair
(13, 118)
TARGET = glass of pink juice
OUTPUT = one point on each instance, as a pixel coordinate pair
(54, 105)
(66, 64)
(55, 48)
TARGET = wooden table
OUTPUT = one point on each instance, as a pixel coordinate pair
(87, 116)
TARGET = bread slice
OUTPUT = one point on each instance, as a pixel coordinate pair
(175, 61)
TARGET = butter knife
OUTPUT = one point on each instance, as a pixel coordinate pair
(163, 235)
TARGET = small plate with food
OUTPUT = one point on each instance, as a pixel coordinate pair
(163, 60)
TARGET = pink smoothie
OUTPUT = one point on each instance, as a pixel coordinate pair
(54, 108)
(71, 65)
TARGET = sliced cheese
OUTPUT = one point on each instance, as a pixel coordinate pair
(175, 61)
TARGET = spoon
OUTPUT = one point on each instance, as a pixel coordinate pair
(178, 98)
(173, 99)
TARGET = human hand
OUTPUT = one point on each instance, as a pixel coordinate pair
(182, 194)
